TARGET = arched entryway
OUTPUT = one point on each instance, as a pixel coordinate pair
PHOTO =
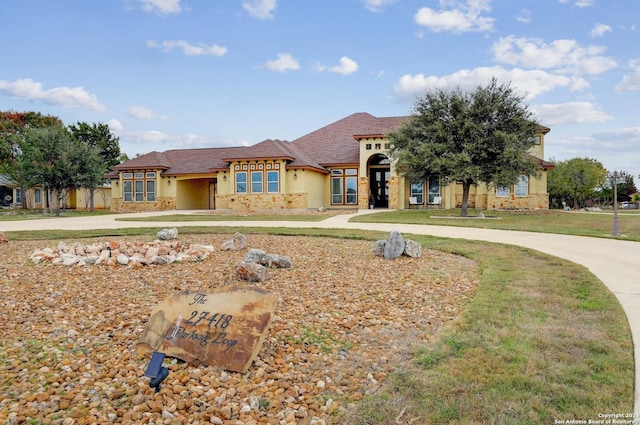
(379, 170)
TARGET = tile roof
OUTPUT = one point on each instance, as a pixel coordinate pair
(336, 143)
(333, 144)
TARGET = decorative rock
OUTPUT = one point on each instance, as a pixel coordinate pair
(112, 253)
(378, 247)
(237, 242)
(394, 246)
(274, 260)
(168, 234)
(412, 249)
(251, 272)
(3, 238)
(255, 255)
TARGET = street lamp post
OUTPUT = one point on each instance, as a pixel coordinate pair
(616, 223)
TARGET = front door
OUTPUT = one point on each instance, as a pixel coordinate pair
(379, 186)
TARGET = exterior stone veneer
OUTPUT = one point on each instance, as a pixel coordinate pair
(492, 202)
(162, 204)
(363, 193)
(262, 202)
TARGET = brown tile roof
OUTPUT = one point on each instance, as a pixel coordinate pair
(336, 143)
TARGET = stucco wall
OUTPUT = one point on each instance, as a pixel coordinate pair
(193, 194)
(101, 199)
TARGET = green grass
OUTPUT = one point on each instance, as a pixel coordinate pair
(229, 217)
(530, 346)
(548, 221)
(20, 214)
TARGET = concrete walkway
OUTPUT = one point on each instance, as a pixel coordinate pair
(614, 262)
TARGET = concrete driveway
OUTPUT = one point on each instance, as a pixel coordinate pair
(613, 261)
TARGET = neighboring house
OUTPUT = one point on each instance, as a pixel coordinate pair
(36, 198)
(10, 193)
(12, 196)
(343, 165)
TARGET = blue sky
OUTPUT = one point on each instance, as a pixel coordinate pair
(171, 74)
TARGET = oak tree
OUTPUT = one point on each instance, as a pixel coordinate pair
(481, 136)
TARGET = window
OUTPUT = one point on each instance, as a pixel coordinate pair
(18, 196)
(336, 186)
(434, 190)
(344, 181)
(351, 187)
(38, 196)
(258, 178)
(256, 181)
(368, 146)
(127, 186)
(522, 187)
(151, 190)
(273, 182)
(139, 186)
(241, 182)
(537, 139)
(417, 192)
(503, 191)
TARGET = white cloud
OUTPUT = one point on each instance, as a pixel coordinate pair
(525, 16)
(377, 5)
(347, 66)
(67, 97)
(115, 125)
(465, 16)
(569, 113)
(142, 113)
(528, 83)
(631, 81)
(599, 30)
(188, 49)
(261, 9)
(579, 3)
(628, 133)
(566, 56)
(163, 7)
(284, 62)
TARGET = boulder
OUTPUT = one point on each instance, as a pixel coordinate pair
(255, 255)
(167, 234)
(251, 272)
(237, 242)
(378, 247)
(277, 261)
(412, 249)
(394, 246)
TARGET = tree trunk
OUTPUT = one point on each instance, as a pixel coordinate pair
(91, 195)
(465, 199)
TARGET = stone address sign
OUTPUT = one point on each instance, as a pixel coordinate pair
(225, 328)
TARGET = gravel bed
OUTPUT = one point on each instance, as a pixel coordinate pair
(345, 320)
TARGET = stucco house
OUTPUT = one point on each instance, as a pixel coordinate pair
(342, 165)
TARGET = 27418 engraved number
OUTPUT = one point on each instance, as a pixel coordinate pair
(217, 320)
